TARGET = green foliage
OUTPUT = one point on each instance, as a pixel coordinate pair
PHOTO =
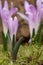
(27, 55)
(5, 40)
(33, 34)
(15, 45)
(16, 48)
(37, 37)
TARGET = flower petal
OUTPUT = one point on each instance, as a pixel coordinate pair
(38, 3)
(37, 22)
(15, 24)
(32, 9)
(31, 26)
(29, 7)
(22, 15)
(11, 4)
(26, 5)
(6, 4)
(5, 29)
(10, 27)
(10, 21)
(12, 11)
(4, 16)
(4, 23)
(40, 7)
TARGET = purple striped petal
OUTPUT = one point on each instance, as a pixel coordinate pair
(32, 9)
(29, 7)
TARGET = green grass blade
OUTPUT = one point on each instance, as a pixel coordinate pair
(5, 40)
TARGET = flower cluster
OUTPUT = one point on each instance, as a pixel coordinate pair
(33, 15)
(7, 21)
(10, 25)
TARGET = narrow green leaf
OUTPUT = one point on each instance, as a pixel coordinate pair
(16, 48)
(12, 47)
(4, 39)
(37, 38)
(33, 34)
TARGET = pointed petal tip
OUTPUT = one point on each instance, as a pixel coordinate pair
(5, 1)
(16, 9)
(15, 18)
(0, 1)
(26, 2)
(0, 4)
(11, 4)
(13, 11)
(6, 4)
(26, 5)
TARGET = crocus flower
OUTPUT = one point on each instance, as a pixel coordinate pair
(5, 14)
(39, 4)
(12, 26)
(32, 16)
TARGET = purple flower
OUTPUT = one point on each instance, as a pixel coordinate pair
(5, 14)
(32, 16)
(13, 26)
(40, 7)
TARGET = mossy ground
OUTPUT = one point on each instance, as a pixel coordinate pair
(27, 55)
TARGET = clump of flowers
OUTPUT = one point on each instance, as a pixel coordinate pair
(10, 25)
(33, 17)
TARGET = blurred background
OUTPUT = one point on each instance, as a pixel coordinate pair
(23, 29)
